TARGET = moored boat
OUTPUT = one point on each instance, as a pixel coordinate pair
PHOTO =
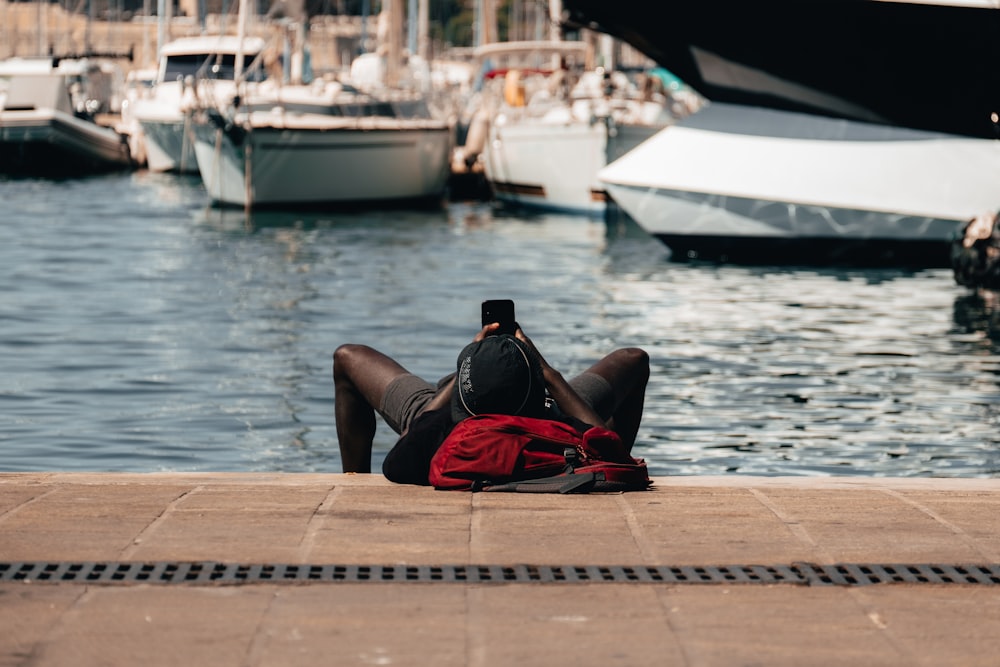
(765, 186)
(192, 71)
(847, 131)
(324, 143)
(49, 118)
(921, 64)
(557, 120)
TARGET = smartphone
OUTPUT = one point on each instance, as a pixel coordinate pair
(502, 311)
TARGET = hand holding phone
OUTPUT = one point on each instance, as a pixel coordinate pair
(502, 311)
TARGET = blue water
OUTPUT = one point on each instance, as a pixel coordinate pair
(144, 330)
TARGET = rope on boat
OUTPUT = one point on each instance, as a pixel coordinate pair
(248, 177)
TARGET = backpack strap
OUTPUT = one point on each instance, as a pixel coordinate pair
(571, 483)
(566, 482)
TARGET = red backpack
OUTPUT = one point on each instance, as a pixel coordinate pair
(510, 453)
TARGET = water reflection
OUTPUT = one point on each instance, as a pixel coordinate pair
(237, 220)
(263, 269)
(312, 217)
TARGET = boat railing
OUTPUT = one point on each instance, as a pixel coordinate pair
(593, 95)
(201, 90)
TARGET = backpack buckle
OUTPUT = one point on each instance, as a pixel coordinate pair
(572, 458)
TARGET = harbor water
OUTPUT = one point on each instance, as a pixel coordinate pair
(145, 330)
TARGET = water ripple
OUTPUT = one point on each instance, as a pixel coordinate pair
(146, 331)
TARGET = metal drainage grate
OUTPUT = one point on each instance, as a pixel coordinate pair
(862, 575)
(803, 574)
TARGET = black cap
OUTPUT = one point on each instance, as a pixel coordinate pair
(498, 375)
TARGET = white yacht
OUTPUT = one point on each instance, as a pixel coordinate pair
(55, 117)
(763, 185)
(841, 131)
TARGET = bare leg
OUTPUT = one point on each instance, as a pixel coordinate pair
(360, 378)
(627, 371)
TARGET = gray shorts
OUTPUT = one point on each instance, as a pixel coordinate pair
(407, 395)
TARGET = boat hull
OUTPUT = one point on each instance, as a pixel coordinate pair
(925, 65)
(169, 146)
(50, 143)
(330, 161)
(748, 185)
(748, 231)
(545, 166)
(554, 166)
(166, 121)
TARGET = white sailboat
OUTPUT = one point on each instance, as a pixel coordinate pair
(288, 145)
(548, 138)
(193, 71)
(321, 142)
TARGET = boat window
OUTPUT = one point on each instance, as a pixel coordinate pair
(381, 109)
(364, 109)
(208, 66)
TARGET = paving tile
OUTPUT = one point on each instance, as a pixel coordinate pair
(588, 624)
(27, 614)
(233, 536)
(390, 525)
(13, 496)
(973, 516)
(777, 626)
(713, 526)
(363, 624)
(939, 625)
(83, 522)
(151, 625)
(551, 530)
(253, 498)
(856, 526)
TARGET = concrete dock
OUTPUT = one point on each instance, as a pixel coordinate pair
(316, 569)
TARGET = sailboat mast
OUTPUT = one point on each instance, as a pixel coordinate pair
(43, 21)
(241, 30)
(555, 20)
(423, 29)
(411, 26)
(164, 10)
(485, 27)
(394, 54)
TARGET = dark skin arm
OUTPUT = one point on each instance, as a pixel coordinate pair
(560, 390)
